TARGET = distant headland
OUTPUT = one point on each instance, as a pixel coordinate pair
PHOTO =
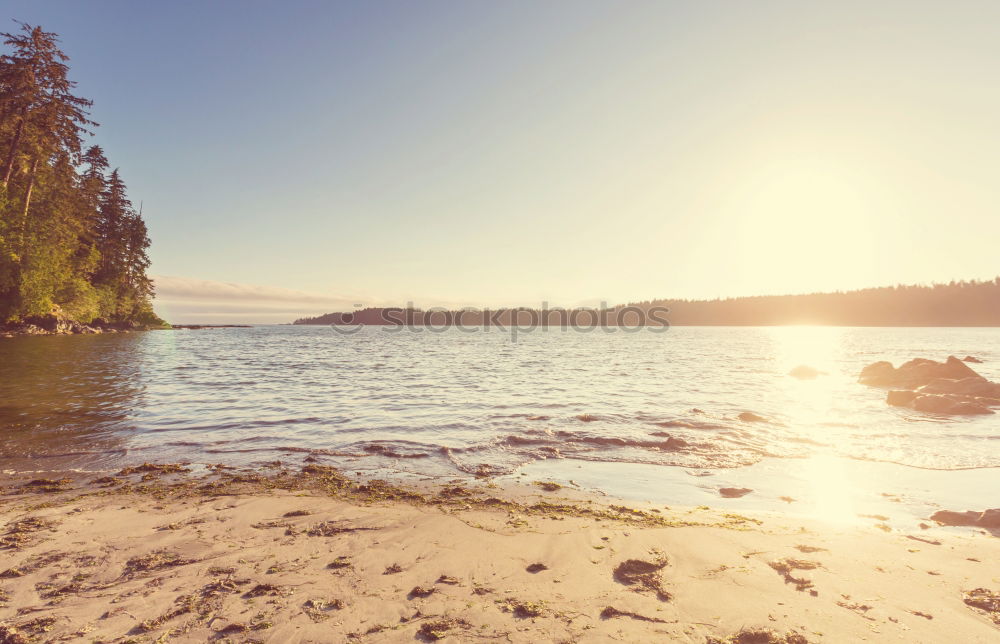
(961, 304)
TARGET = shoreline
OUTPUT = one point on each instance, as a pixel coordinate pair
(311, 555)
(75, 328)
(72, 328)
(835, 489)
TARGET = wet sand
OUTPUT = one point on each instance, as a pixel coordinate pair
(836, 490)
(309, 555)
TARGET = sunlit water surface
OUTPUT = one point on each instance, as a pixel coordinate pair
(452, 403)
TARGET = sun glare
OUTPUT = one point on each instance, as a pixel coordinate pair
(813, 346)
(831, 490)
(806, 361)
(806, 223)
(809, 401)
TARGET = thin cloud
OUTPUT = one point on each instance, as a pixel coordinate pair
(184, 300)
(187, 288)
(188, 300)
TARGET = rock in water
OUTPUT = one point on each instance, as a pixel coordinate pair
(936, 403)
(974, 387)
(989, 519)
(878, 374)
(750, 417)
(950, 517)
(734, 492)
(915, 373)
(900, 398)
(948, 405)
(949, 388)
(972, 359)
(805, 372)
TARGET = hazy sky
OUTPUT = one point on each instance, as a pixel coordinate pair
(295, 157)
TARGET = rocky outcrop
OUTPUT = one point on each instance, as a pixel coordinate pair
(973, 387)
(198, 327)
(947, 388)
(58, 324)
(900, 398)
(937, 403)
(915, 373)
(972, 359)
(949, 406)
(49, 326)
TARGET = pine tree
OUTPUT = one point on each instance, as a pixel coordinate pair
(70, 240)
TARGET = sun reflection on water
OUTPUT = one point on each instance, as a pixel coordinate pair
(814, 346)
(808, 401)
(809, 404)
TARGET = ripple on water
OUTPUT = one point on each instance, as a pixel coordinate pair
(478, 404)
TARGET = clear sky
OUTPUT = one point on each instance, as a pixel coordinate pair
(296, 157)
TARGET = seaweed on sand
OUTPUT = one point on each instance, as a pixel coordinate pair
(153, 561)
(154, 468)
(222, 587)
(48, 590)
(37, 626)
(184, 604)
(263, 589)
(204, 604)
(340, 563)
(857, 607)
(454, 491)
(317, 609)
(296, 513)
(10, 635)
(332, 529)
(324, 604)
(784, 567)
(22, 532)
(520, 608)
(378, 490)
(643, 575)
(47, 485)
(610, 612)
(761, 636)
(984, 600)
(438, 629)
(420, 591)
(32, 564)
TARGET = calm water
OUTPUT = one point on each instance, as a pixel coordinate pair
(445, 403)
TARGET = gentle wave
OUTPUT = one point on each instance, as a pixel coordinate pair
(439, 403)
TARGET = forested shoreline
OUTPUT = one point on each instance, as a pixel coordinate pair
(73, 248)
(966, 303)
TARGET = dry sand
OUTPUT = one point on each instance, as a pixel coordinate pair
(293, 556)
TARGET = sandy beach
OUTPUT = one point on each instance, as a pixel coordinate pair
(293, 554)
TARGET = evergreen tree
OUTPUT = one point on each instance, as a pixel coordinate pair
(70, 240)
